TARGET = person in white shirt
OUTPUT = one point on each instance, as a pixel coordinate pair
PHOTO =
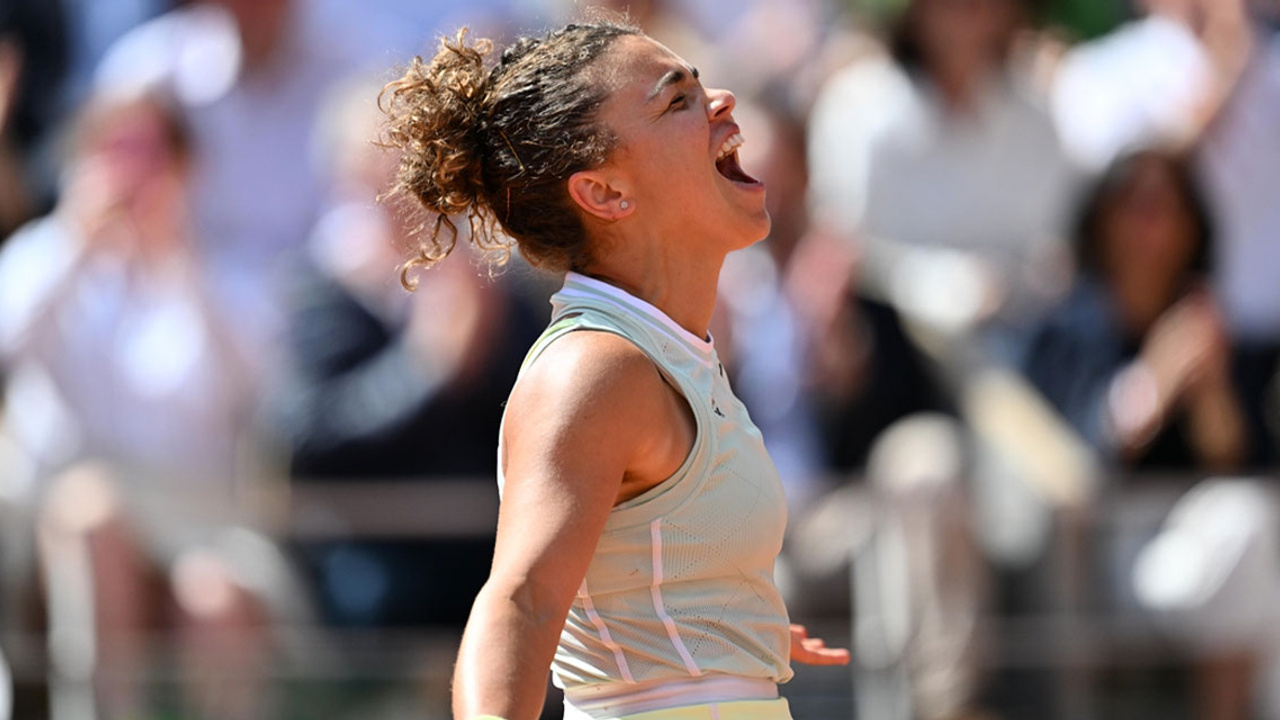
(126, 393)
(251, 76)
(942, 165)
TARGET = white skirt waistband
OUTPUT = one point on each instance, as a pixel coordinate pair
(619, 699)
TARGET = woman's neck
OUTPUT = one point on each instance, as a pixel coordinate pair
(961, 83)
(682, 289)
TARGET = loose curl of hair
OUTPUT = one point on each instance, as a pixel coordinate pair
(496, 145)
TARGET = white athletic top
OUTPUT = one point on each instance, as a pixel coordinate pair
(681, 584)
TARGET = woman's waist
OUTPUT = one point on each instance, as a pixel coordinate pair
(607, 700)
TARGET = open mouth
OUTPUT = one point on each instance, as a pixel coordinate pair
(727, 163)
(728, 166)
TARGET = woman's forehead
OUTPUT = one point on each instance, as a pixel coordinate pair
(641, 63)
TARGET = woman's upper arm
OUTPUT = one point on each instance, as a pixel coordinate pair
(574, 424)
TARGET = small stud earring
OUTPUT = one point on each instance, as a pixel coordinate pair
(624, 204)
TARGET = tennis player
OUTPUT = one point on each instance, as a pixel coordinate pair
(641, 514)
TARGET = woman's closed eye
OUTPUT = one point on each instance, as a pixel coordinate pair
(679, 102)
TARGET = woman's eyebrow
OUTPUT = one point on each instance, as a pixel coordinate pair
(672, 77)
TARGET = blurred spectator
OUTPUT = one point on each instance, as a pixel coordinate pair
(945, 169)
(1203, 72)
(388, 384)
(33, 60)
(120, 367)
(113, 347)
(251, 75)
(1138, 357)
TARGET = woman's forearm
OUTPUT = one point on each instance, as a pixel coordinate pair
(1218, 431)
(505, 656)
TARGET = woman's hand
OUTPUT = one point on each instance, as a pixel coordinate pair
(814, 651)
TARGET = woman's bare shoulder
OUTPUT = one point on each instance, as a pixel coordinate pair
(588, 375)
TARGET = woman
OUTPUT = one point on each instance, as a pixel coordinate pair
(1138, 358)
(641, 514)
(108, 333)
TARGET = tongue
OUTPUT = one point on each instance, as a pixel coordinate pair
(729, 167)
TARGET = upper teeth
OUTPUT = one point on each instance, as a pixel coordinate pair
(731, 143)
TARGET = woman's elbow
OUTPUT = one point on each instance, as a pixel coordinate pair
(534, 602)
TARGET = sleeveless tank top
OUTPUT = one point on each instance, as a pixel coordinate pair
(681, 584)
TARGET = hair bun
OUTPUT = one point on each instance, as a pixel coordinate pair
(433, 112)
(496, 148)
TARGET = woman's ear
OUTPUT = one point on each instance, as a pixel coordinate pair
(594, 193)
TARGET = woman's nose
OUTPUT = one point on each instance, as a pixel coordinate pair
(722, 103)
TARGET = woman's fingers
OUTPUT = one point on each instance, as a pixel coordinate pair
(814, 651)
(821, 656)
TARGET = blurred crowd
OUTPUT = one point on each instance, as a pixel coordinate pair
(1022, 273)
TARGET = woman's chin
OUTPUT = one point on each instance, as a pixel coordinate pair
(755, 230)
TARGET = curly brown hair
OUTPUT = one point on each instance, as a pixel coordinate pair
(496, 145)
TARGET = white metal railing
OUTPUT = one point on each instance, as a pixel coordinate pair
(1068, 638)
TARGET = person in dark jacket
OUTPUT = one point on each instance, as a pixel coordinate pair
(1137, 358)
